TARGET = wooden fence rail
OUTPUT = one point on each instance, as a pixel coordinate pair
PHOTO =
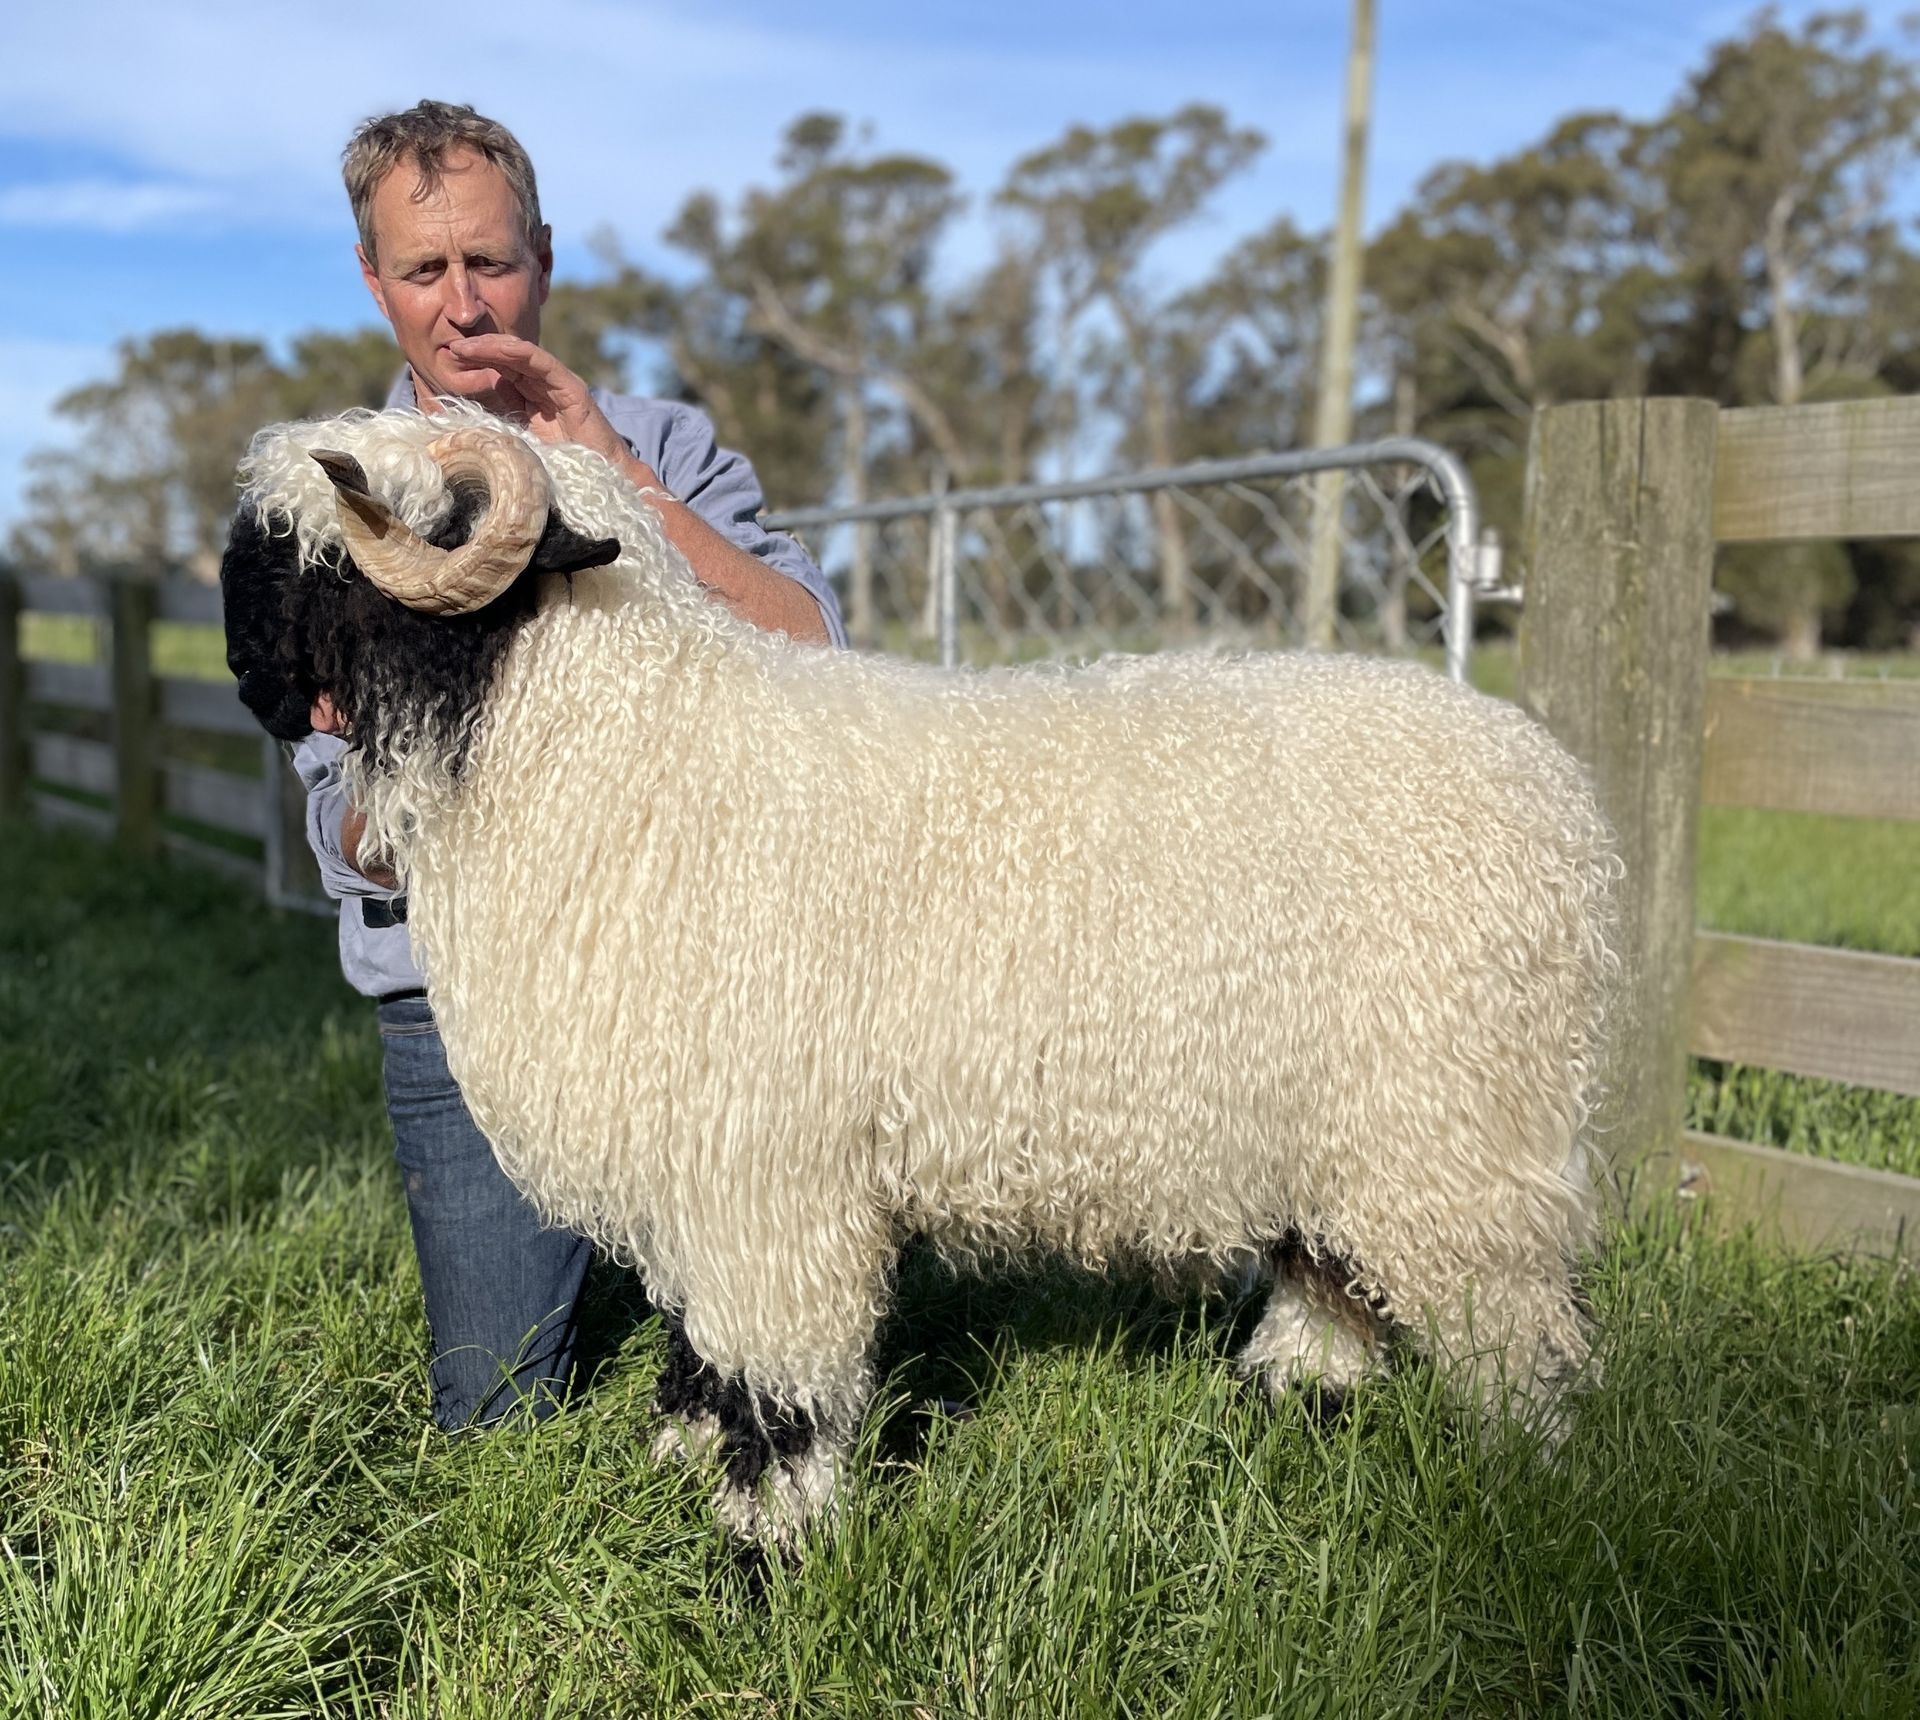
(130, 785)
(1626, 501)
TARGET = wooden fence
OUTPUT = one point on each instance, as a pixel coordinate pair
(112, 736)
(1626, 502)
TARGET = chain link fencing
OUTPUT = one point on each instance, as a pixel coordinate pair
(1214, 553)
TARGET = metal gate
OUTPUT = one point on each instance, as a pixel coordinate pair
(1216, 552)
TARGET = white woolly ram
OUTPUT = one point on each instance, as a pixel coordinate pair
(753, 959)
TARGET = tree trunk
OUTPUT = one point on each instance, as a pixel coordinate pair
(1789, 381)
(862, 625)
(1789, 377)
(1333, 415)
(1800, 638)
(1400, 560)
(999, 572)
(1176, 586)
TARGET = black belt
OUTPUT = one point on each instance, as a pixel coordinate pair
(377, 915)
(399, 996)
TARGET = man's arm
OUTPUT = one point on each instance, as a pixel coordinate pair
(557, 407)
(743, 582)
(335, 829)
(353, 830)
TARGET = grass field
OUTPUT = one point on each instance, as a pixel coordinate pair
(218, 1497)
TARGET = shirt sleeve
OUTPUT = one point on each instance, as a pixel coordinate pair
(317, 760)
(722, 488)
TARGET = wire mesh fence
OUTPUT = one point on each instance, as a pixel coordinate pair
(1215, 553)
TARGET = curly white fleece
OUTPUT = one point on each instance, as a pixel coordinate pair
(751, 957)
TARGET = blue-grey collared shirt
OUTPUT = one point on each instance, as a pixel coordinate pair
(718, 484)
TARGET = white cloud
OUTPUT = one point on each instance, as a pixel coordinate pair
(625, 107)
(105, 205)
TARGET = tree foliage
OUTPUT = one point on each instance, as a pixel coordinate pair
(1746, 243)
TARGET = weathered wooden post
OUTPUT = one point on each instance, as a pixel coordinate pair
(1613, 659)
(136, 737)
(13, 703)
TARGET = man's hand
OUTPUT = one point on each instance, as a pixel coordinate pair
(536, 389)
(324, 718)
(327, 720)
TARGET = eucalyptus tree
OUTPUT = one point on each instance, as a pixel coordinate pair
(1098, 201)
(761, 398)
(150, 480)
(832, 266)
(328, 372)
(1503, 272)
(1777, 168)
(1259, 315)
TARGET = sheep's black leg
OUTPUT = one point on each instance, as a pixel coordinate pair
(780, 1468)
(755, 1434)
(686, 1398)
(687, 1385)
(776, 1473)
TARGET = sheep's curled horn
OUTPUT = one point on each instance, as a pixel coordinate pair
(518, 529)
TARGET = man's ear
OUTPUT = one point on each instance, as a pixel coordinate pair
(543, 259)
(371, 276)
(561, 549)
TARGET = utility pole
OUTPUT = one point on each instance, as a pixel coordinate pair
(1333, 414)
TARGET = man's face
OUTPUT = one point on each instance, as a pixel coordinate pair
(456, 262)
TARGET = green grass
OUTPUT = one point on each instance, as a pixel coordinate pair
(218, 1495)
(179, 647)
(1851, 883)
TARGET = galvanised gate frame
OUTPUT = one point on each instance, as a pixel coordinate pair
(1471, 567)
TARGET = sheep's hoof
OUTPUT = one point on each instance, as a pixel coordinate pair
(1326, 1402)
(1301, 1350)
(788, 1497)
(686, 1439)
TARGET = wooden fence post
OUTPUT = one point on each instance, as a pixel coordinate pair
(1613, 660)
(13, 703)
(136, 737)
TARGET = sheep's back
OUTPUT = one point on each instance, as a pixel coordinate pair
(1107, 957)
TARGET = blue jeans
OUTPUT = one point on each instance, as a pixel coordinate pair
(501, 1288)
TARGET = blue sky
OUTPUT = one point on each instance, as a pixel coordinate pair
(168, 164)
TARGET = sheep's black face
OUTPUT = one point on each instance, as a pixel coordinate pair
(400, 678)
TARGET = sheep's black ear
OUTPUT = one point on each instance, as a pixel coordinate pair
(255, 575)
(561, 549)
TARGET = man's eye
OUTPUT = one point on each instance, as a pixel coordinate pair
(425, 272)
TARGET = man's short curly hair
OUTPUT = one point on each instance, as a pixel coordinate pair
(425, 134)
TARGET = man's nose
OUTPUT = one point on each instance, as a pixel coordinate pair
(464, 307)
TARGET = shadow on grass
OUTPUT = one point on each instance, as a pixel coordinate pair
(953, 1335)
(150, 1010)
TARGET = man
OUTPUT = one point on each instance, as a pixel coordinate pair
(454, 252)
